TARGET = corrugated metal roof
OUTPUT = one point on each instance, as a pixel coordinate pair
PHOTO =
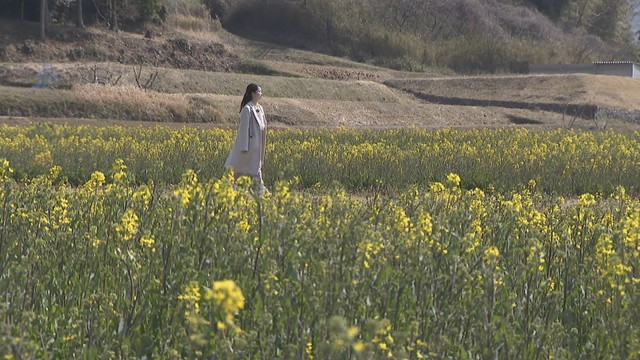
(613, 62)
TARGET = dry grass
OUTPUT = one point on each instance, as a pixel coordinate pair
(127, 103)
(187, 8)
(154, 104)
(203, 97)
(613, 91)
(106, 102)
(194, 24)
(177, 81)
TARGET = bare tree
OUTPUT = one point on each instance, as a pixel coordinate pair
(581, 10)
(568, 123)
(96, 74)
(104, 18)
(113, 15)
(43, 6)
(148, 83)
(79, 21)
(405, 13)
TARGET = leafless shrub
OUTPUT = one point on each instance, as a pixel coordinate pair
(150, 80)
(568, 121)
(601, 122)
(99, 74)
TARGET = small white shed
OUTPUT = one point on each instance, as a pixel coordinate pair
(617, 68)
(613, 68)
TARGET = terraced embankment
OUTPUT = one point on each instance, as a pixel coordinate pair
(584, 96)
(198, 86)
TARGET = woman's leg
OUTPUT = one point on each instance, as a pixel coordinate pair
(260, 188)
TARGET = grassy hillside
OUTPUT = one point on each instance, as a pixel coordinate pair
(202, 72)
(197, 81)
(613, 91)
(468, 36)
(83, 104)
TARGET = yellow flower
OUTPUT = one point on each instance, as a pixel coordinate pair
(128, 225)
(491, 254)
(389, 339)
(436, 187)
(227, 295)
(631, 232)
(147, 240)
(54, 172)
(352, 332)
(358, 346)
(454, 179)
(425, 224)
(143, 194)
(586, 200)
(401, 220)
(5, 170)
(622, 269)
(119, 171)
(309, 350)
(97, 179)
(192, 296)
(191, 292)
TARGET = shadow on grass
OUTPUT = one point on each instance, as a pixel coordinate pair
(519, 120)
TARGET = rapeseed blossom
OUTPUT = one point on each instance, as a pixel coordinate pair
(228, 297)
(119, 171)
(491, 254)
(631, 232)
(454, 179)
(128, 226)
(192, 296)
(97, 179)
(586, 200)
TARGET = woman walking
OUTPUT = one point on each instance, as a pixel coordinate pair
(247, 156)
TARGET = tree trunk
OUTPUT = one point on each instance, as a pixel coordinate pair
(22, 11)
(46, 15)
(43, 6)
(581, 13)
(113, 15)
(80, 22)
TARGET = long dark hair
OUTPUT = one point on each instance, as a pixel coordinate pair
(248, 94)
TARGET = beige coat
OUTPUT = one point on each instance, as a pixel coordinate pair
(247, 155)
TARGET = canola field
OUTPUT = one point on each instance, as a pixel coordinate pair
(560, 162)
(401, 244)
